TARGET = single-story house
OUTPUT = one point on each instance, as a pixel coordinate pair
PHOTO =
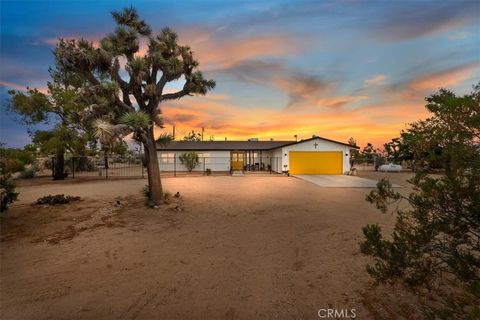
(316, 155)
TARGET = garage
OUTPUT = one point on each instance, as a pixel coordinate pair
(316, 162)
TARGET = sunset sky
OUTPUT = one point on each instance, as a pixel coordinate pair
(337, 69)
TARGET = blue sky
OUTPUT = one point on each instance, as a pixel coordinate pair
(332, 68)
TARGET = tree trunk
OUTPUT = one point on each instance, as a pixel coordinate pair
(59, 167)
(153, 170)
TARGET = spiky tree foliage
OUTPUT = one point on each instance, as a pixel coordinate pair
(193, 136)
(435, 244)
(131, 96)
(60, 106)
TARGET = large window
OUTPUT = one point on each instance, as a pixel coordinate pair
(207, 157)
(167, 157)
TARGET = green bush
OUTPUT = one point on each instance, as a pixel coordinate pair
(28, 173)
(145, 191)
(208, 171)
(190, 160)
(7, 192)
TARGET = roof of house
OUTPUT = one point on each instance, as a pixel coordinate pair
(234, 145)
(222, 145)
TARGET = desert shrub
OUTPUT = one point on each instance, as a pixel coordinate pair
(57, 199)
(80, 163)
(28, 173)
(208, 171)
(190, 160)
(167, 194)
(7, 192)
(145, 191)
(378, 161)
(434, 248)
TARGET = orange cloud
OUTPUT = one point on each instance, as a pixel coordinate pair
(445, 78)
(20, 87)
(376, 80)
(374, 123)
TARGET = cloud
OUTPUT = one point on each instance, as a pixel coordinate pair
(459, 35)
(222, 53)
(372, 123)
(20, 87)
(376, 80)
(412, 19)
(445, 78)
(303, 90)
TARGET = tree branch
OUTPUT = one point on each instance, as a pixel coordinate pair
(114, 73)
(176, 95)
(161, 84)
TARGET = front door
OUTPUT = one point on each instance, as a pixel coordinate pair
(237, 160)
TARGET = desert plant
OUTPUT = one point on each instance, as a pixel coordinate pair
(190, 160)
(435, 244)
(145, 191)
(28, 173)
(208, 171)
(167, 195)
(53, 200)
(126, 104)
(7, 192)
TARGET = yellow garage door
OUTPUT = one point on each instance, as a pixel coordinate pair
(316, 162)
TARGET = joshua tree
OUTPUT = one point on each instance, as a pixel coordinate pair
(132, 103)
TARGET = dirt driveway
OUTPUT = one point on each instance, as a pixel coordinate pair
(341, 181)
(229, 248)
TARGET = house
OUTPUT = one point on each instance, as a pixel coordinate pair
(316, 155)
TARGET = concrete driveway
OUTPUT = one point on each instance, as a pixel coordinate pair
(341, 181)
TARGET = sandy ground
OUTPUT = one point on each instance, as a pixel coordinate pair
(254, 247)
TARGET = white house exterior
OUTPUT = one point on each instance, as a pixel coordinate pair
(311, 156)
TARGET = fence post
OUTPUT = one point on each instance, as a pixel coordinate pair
(174, 165)
(106, 166)
(53, 167)
(73, 167)
(204, 166)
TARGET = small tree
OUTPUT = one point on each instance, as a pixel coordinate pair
(354, 153)
(435, 244)
(368, 152)
(397, 150)
(190, 160)
(11, 160)
(62, 106)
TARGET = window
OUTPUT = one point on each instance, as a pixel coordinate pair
(167, 157)
(207, 157)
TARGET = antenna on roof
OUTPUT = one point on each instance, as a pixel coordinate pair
(203, 131)
(173, 133)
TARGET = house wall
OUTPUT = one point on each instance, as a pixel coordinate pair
(278, 160)
(214, 160)
(322, 145)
